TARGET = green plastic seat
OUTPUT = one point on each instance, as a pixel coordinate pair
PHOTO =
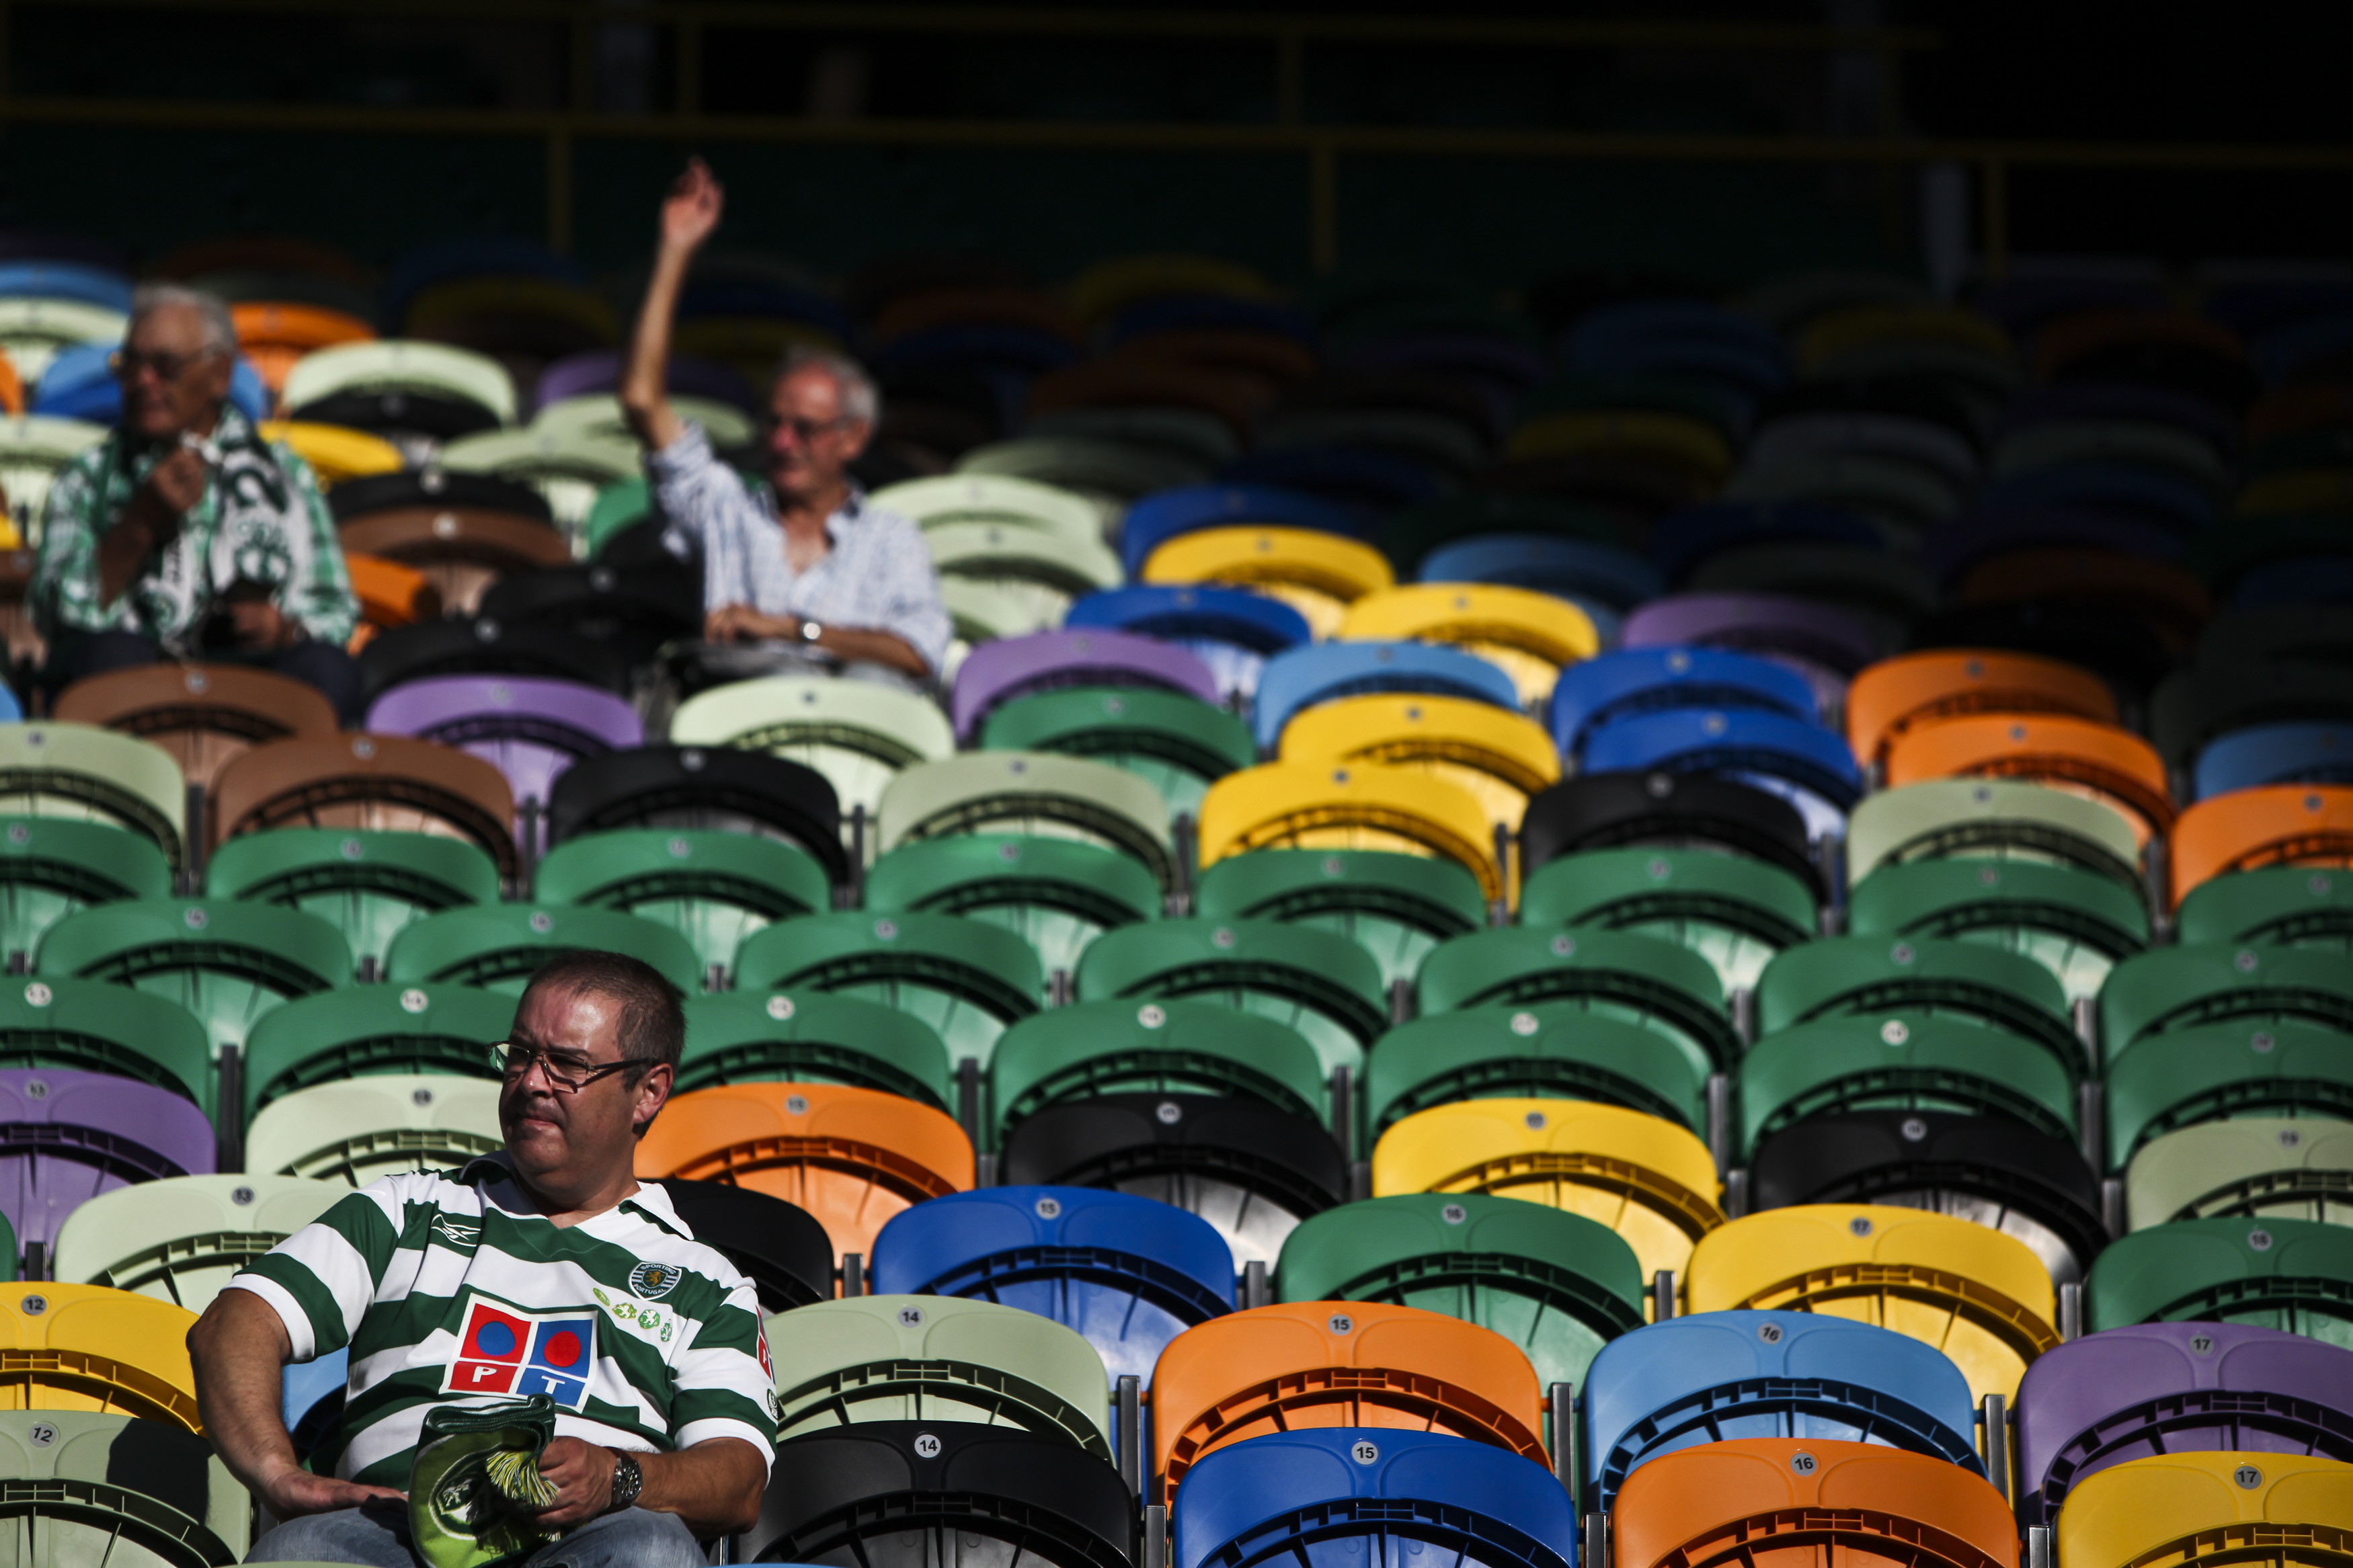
(618, 507)
(2252, 1168)
(97, 1027)
(713, 889)
(501, 946)
(2293, 1275)
(857, 733)
(566, 468)
(1998, 819)
(1556, 1284)
(749, 1036)
(359, 1130)
(1902, 1061)
(2216, 1071)
(2076, 923)
(50, 868)
(2183, 987)
(228, 963)
(1034, 794)
(1396, 907)
(1546, 1050)
(1322, 985)
(365, 1030)
(2277, 906)
(1736, 913)
(1645, 980)
(179, 1239)
(967, 979)
(397, 364)
(82, 772)
(1913, 976)
(1179, 744)
(369, 885)
(91, 1487)
(1057, 894)
(938, 1358)
(1173, 1047)
(946, 499)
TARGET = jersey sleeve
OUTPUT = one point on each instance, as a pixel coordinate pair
(320, 1280)
(725, 1385)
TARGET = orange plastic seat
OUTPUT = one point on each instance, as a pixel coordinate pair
(1891, 697)
(2110, 764)
(2274, 824)
(11, 387)
(1338, 1364)
(391, 594)
(274, 335)
(2159, 592)
(206, 715)
(1799, 1502)
(853, 1157)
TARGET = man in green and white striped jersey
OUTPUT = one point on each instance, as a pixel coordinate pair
(545, 1270)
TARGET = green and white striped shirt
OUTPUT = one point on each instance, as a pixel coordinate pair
(448, 1291)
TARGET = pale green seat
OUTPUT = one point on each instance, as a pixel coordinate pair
(400, 365)
(368, 884)
(1111, 473)
(1735, 913)
(88, 1489)
(179, 1239)
(50, 868)
(1037, 569)
(225, 961)
(2259, 1168)
(85, 773)
(985, 612)
(1057, 894)
(359, 1130)
(567, 470)
(33, 331)
(966, 978)
(1032, 793)
(2076, 923)
(714, 889)
(2278, 906)
(34, 450)
(92, 1026)
(857, 733)
(1177, 743)
(372, 1029)
(812, 1037)
(502, 946)
(1999, 819)
(1000, 499)
(597, 414)
(1395, 906)
(937, 1358)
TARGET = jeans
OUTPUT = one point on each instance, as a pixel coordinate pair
(378, 1538)
(322, 665)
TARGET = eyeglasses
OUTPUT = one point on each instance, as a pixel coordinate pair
(567, 1073)
(804, 430)
(126, 364)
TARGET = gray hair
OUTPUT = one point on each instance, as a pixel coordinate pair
(220, 328)
(860, 399)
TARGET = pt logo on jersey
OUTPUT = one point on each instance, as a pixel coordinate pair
(504, 1352)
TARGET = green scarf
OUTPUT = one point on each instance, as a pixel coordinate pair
(475, 1488)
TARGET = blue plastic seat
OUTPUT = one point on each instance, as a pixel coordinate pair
(1164, 514)
(1231, 630)
(1618, 686)
(1713, 1376)
(312, 1396)
(2275, 753)
(1681, 539)
(1127, 1273)
(1805, 764)
(80, 384)
(1326, 672)
(100, 286)
(1340, 1496)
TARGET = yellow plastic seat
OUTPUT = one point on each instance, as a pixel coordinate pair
(1676, 440)
(1982, 1297)
(335, 453)
(1106, 286)
(1649, 1180)
(1528, 635)
(1318, 575)
(85, 1347)
(2177, 1510)
(1865, 326)
(1500, 758)
(1316, 805)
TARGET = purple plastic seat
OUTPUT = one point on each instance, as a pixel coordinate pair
(2169, 1388)
(529, 728)
(599, 370)
(998, 672)
(1820, 642)
(68, 1136)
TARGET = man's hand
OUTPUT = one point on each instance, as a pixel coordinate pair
(741, 623)
(582, 1474)
(294, 1492)
(178, 481)
(692, 210)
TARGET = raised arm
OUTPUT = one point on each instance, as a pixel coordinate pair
(240, 1351)
(689, 214)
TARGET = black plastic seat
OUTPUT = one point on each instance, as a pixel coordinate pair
(429, 486)
(2197, 705)
(635, 610)
(484, 647)
(706, 787)
(1667, 811)
(2121, 648)
(781, 1247)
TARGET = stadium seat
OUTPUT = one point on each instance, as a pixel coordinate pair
(1001, 671)
(1168, 1047)
(944, 499)
(1870, 1060)
(1530, 636)
(1558, 1285)
(1318, 575)
(1657, 679)
(1982, 1297)
(1028, 793)
(632, 605)
(2249, 1166)
(2281, 906)
(72, 1135)
(2274, 754)
(1232, 631)
(1175, 743)
(2253, 1067)
(1657, 983)
(1664, 811)
(1989, 819)
(968, 979)
(78, 771)
(857, 734)
(1870, 974)
(1722, 1376)
(530, 730)
(33, 449)
(2199, 1509)
(1736, 913)
(712, 887)
(1057, 894)
(1377, 1492)
(228, 963)
(459, 645)
(2075, 923)
(359, 1130)
(1043, 573)
(461, 532)
(567, 468)
(2279, 824)
(364, 1030)
(402, 378)
(1169, 514)
(1772, 1500)
(204, 714)
(1545, 1050)
(501, 946)
(851, 1157)
(782, 1250)
(90, 1026)
(336, 454)
(382, 782)
(369, 886)
(1351, 806)
(1127, 1273)
(746, 1037)
(1894, 696)
(51, 869)
(1500, 757)
(1317, 982)
(714, 788)
(99, 1486)
(1650, 1181)
(2184, 987)
(2107, 763)
(1325, 1364)
(2194, 1388)
(2195, 706)
(180, 1239)
(1309, 677)
(938, 1358)
(1395, 906)
(1800, 761)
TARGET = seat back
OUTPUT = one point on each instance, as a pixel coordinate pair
(2277, 825)
(713, 889)
(205, 715)
(228, 963)
(1057, 894)
(72, 1347)
(1029, 793)
(1530, 636)
(1736, 913)
(1665, 810)
(2279, 905)
(89, 1025)
(2110, 764)
(1989, 818)
(1867, 974)
(1172, 741)
(1304, 677)
(2076, 923)
(2290, 1273)
(1317, 574)
(1894, 696)
(1351, 806)
(1644, 979)
(999, 671)
(1642, 681)
(2256, 1067)
(353, 1131)
(781, 1249)
(967, 979)
(1837, 1066)
(78, 771)
(1395, 906)
(50, 868)
(499, 947)
(180, 1239)
(2184, 1509)
(107, 1487)
(386, 782)
(857, 733)
(2254, 1166)
(1172, 1046)
(811, 1037)
(1546, 1050)
(530, 730)
(73, 1135)
(2188, 987)
(363, 1030)
(714, 788)
(367, 884)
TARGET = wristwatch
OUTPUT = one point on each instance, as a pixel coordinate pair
(811, 631)
(628, 1482)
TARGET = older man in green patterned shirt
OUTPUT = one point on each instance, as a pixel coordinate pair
(185, 534)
